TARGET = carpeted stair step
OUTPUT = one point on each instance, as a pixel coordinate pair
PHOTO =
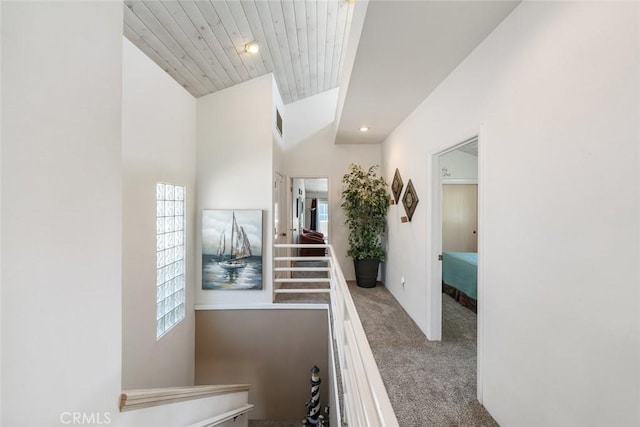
(305, 298)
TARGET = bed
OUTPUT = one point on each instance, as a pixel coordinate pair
(460, 277)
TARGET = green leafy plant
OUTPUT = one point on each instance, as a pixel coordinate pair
(365, 199)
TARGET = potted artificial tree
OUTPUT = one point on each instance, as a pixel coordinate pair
(365, 199)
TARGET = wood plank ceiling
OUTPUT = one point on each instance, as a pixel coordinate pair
(201, 43)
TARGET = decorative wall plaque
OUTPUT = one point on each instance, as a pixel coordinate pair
(396, 186)
(410, 200)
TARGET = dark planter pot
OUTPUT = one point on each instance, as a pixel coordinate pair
(366, 272)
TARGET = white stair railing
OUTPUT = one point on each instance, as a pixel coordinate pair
(282, 264)
(364, 399)
(193, 406)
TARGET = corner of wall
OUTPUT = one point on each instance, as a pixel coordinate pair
(235, 162)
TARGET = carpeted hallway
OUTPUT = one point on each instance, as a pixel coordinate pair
(429, 383)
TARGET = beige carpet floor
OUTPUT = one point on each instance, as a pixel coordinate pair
(429, 383)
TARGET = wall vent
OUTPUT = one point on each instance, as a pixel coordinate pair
(278, 122)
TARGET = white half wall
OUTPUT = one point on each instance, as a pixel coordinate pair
(554, 94)
(0, 213)
(188, 412)
(310, 152)
(158, 145)
(61, 210)
(235, 145)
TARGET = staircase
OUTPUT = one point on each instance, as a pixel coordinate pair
(358, 397)
(307, 276)
(193, 406)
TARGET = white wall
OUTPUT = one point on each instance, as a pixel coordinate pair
(458, 165)
(158, 145)
(61, 209)
(0, 214)
(555, 91)
(310, 151)
(235, 145)
(272, 349)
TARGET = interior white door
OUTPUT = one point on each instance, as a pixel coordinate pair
(297, 209)
(459, 217)
(279, 209)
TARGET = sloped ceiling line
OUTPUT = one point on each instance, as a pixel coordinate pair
(200, 42)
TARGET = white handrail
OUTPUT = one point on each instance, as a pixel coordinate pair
(143, 398)
(365, 398)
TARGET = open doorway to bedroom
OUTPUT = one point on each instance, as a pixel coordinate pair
(459, 184)
(455, 241)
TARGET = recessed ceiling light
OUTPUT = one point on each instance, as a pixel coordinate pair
(364, 129)
(252, 47)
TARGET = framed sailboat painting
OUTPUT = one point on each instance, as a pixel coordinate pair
(232, 249)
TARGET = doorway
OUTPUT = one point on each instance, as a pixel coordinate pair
(456, 290)
(309, 207)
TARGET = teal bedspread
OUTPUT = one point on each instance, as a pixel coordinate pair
(460, 270)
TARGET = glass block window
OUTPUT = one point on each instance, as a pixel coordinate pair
(170, 252)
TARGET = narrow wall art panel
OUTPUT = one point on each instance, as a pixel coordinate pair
(396, 186)
(410, 200)
(232, 249)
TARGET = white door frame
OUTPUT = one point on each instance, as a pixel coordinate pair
(280, 233)
(434, 265)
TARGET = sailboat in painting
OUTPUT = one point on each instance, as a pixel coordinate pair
(221, 247)
(232, 249)
(240, 247)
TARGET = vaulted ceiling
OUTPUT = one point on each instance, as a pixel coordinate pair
(386, 55)
(200, 43)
